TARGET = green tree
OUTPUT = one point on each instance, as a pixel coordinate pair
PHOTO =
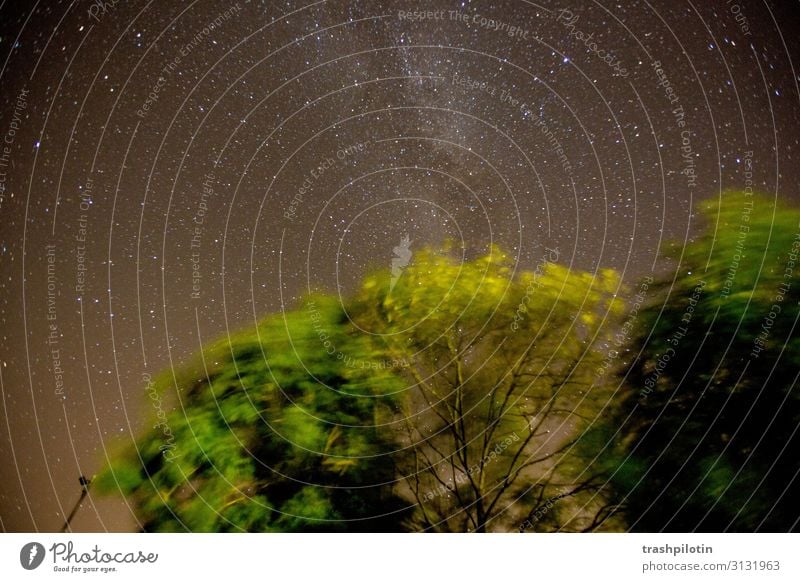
(501, 376)
(713, 406)
(271, 432)
(447, 395)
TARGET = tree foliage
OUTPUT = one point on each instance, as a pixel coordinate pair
(455, 394)
(447, 395)
(501, 384)
(710, 433)
(270, 433)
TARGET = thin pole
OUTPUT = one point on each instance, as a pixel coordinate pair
(84, 492)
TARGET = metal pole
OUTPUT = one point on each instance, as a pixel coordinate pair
(84, 492)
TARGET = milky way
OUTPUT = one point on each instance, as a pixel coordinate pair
(171, 171)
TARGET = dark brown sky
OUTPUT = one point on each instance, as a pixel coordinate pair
(166, 221)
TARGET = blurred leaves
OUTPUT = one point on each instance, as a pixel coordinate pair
(466, 395)
(502, 382)
(271, 433)
(714, 444)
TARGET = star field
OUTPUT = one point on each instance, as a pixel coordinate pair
(175, 170)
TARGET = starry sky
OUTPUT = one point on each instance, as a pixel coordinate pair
(173, 170)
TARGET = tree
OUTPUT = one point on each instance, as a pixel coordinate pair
(502, 382)
(273, 432)
(446, 395)
(713, 407)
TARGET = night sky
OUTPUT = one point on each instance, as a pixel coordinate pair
(173, 170)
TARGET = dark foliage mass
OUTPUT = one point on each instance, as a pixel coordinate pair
(712, 394)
